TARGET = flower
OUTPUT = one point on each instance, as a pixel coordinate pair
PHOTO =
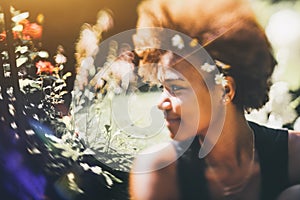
(21, 49)
(45, 66)
(2, 36)
(20, 17)
(278, 111)
(43, 54)
(220, 79)
(60, 58)
(222, 65)
(194, 42)
(177, 41)
(208, 67)
(32, 31)
(104, 21)
(88, 42)
(20, 61)
(279, 103)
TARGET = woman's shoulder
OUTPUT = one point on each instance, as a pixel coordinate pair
(266, 129)
(155, 157)
(282, 145)
(273, 137)
(153, 175)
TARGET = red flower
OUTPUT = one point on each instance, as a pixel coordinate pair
(2, 36)
(32, 31)
(45, 67)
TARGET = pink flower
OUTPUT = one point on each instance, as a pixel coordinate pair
(32, 31)
(45, 67)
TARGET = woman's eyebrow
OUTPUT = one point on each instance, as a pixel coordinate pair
(171, 76)
(173, 79)
(170, 81)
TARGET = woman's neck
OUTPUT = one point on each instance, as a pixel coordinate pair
(235, 143)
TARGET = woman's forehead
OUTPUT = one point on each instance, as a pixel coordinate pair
(181, 70)
(172, 74)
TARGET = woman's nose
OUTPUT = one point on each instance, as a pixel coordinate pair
(164, 102)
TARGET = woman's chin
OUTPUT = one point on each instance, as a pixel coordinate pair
(176, 136)
(172, 135)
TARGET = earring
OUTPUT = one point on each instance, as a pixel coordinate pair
(226, 99)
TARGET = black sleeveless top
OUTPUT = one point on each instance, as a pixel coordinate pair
(272, 148)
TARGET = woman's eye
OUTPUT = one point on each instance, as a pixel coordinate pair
(175, 88)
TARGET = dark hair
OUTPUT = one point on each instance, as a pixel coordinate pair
(229, 32)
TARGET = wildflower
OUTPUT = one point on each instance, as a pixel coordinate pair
(43, 54)
(177, 41)
(32, 31)
(207, 67)
(20, 17)
(60, 58)
(104, 21)
(220, 80)
(2, 36)
(193, 42)
(44, 67)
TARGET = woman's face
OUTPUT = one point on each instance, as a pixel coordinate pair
(186, 101)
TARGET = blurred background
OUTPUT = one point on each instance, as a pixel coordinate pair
(42, 152)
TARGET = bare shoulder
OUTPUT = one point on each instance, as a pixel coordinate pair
(153, 175)
(294, 158)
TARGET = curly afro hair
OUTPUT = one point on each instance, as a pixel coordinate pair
(229, 32)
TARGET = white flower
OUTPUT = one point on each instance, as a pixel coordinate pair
(278, 110)
(21, 49)
(88, 42)
(43, 54)
(20, 17)
(259, 116)
(18, 28)
(96, 170)
(207, 67)
(29, 132)
(20, 61)
(104, 21)
(60, 59)
(71, 176)
(14, 125)
(220, 80)
(85, 166)
(87, 63)
(279, 103)
(177, 41)
(122, 73)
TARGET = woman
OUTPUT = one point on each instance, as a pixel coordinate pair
(216, 152)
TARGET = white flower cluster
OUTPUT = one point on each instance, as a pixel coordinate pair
(87, 47)
(278, 111)
(177, 41)
(220, 79)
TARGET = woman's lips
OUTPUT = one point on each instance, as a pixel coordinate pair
(173, 125)
(172, 121)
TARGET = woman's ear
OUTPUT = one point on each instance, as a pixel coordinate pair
(229, 90)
